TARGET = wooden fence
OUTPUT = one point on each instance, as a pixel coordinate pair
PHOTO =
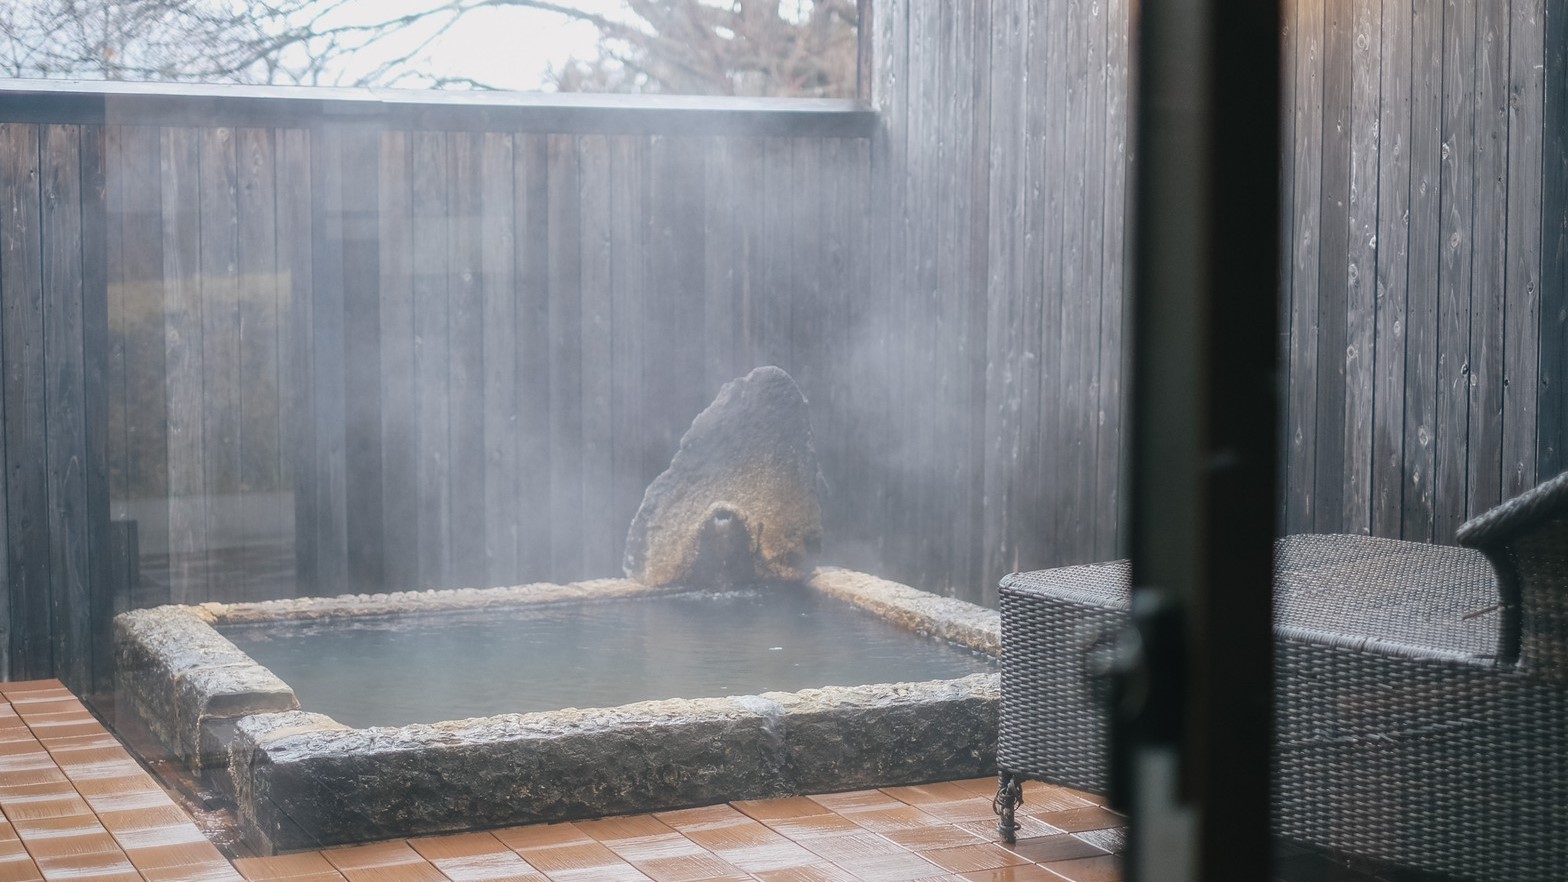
(510, 343)
(340, 343)
(999, 185)
(1424, 258)
(360, 342)
(1425, 252)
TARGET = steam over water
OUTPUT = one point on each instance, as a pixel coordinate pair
(392, 671)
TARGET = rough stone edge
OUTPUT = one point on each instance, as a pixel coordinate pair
(858, 737)
(302, 780)
(305, 783)
(176, 673)
(442, 600)
(259, 749)
(946, 618)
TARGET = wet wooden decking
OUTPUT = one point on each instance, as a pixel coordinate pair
(78, 807)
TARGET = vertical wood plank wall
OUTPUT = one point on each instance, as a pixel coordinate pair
(433, 359)
(410, 356)
(550, 317)
(55, 521)
(1000, 177)
(1426, 301)
(1423, 265)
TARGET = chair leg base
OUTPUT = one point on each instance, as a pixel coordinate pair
(1009, 796)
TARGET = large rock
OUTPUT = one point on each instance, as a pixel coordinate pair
(740, 501)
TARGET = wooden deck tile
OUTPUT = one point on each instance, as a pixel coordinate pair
(283, 866)
(76, 807)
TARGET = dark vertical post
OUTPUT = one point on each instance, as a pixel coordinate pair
(1552, 420)
(365, 551)
(95, 391)
(296, 254)
(65, 443)
(325, 569)
(1204, 401)
(863, 43)
(466, 361)
(22, 372)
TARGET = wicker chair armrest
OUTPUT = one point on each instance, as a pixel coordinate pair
(1520, 516)
(1526, 541)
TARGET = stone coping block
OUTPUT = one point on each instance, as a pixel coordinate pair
(303, 780)
(945, 618)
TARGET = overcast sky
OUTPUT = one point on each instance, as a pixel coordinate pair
(507, 48)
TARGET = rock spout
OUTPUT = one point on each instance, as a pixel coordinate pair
(740, 501)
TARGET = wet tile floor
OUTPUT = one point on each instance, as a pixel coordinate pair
(79, 808)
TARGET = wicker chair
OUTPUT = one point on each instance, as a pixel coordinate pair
(1421, 707)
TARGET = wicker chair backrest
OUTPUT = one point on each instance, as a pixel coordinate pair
(1526, 541)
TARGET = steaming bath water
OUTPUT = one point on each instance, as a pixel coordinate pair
(391, 671)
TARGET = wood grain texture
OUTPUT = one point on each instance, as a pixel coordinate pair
(432, 356)
(263, 300)
(628, 401)
(533, 258)
(183, 352)
(333, 253)
(1289, 32)
(1361, 266)
(1328, 466)
(1079, 290)
(1552, 418)
(70, 520)
(1393, 249)
(467, 355)
(219, 291)
(1421, 309)
(1487, 269)
(401, 513)
(295, 254)
(566, 504)
(502, 418)
(465, 349)
(1004, 265)
(1522, 297)
(364, 553)
(602, 536)
(1456, 241)
(96, 394)
(1302, 359)
(28, 555)
(1114, 358)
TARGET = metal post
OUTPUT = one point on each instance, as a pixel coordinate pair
(1194, 717)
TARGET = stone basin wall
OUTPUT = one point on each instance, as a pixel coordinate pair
(303, 780)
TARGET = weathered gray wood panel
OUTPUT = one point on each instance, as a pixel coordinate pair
(103, 593)
(998, 192)
(1419, 342)
(502, 418)
(263, 307)
(70, 521)
(179, 174)
(401, 513)
(430, 399)
(1553, 413)
(1328, 466)
(28, 555)
(1455, 238)
(1361, 267)
(295, 256)
(465, 351)
(364, 556)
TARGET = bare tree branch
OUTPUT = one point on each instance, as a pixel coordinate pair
(689, 46)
